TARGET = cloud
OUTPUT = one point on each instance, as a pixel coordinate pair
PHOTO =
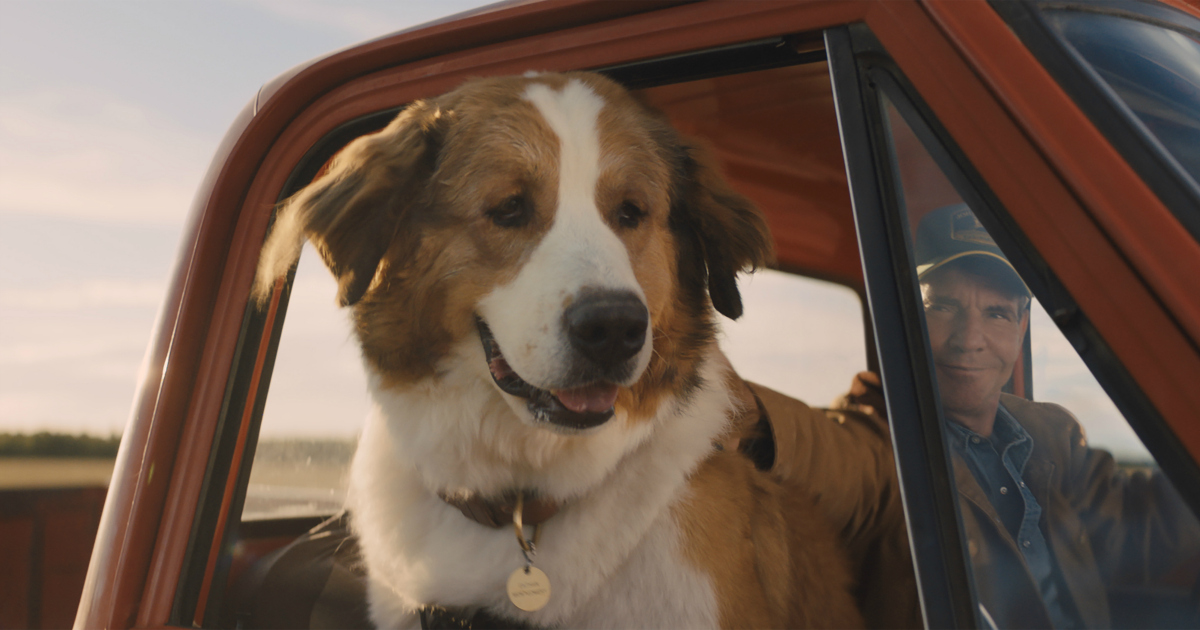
(86, 295)
(84, 153)
(70, 352)
(39, 408)
(364, 19)
(71, 349)
(72, 336)
(68, 370)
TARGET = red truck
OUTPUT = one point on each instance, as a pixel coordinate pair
(1072, 129)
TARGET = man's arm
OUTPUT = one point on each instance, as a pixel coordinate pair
(1141, 530)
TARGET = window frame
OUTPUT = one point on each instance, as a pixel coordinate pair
(1107, 111)
(1068, 315)
(922, 459)
(863, 71)
(218, 524)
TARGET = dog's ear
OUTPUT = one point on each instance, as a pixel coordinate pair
(730, 233)
(351, 213)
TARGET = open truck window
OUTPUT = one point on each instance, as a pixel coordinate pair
(316, 406)
(800, 335)
(772, 128)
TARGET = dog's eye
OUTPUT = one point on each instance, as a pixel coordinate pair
(630, 215)
(513, 212)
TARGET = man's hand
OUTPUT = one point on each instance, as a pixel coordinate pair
(865, 396)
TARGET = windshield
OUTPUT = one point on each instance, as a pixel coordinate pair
(1153, 66)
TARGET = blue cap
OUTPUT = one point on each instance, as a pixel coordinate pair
(953, 233)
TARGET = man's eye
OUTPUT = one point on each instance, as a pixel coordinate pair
(513, 212)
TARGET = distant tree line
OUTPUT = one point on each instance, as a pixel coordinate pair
(47, 444)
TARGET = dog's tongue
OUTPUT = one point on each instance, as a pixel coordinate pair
(597, 398)
(499, 368)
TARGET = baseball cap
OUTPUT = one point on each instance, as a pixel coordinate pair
(952, 233)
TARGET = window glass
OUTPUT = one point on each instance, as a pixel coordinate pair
(315, 407)
(1153, 68)
(1059, 376)
(1067, 519)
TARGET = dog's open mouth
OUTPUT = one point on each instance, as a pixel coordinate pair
(575, 408)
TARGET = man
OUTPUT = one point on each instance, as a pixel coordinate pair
(1050, 523)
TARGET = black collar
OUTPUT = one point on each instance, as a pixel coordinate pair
(443, 618)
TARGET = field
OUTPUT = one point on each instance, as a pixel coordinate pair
(18, 473)
(289, 477)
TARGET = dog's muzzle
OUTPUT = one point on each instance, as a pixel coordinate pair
(606, 330)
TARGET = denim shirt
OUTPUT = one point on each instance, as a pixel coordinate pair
(998, 464)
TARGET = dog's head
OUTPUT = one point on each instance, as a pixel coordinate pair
(555, 219)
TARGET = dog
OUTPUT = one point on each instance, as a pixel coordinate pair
(532, 264)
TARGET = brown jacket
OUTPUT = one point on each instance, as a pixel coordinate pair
(845, 460)
(842, 458)
(1106, 527)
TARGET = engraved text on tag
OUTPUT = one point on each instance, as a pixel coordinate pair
(529, 588)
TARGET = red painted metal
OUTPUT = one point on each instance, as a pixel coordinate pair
(1120, 252)
(1073, 207)
(46, 536)
(1150, 237)
(231, 480)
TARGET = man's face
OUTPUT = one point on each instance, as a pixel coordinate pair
(975, 331)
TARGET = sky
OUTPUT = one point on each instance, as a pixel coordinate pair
(110, 112)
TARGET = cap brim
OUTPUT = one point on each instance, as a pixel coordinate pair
(927, 268)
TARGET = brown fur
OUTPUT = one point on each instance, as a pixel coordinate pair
(401, 219)
(739, 524)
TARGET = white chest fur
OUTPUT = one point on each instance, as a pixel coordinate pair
(612, 553)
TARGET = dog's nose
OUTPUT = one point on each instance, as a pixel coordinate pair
(607, 327)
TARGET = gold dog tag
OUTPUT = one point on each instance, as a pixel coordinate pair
(529, 588)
